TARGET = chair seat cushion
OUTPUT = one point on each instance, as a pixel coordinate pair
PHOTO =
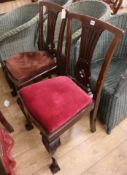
(55, 101)
(23, 66)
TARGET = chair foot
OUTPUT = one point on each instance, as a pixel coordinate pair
(5, 123)
(54, 167)
(29, 126)
(14, 93)
(108, 131)
(93, 129)
(51, 146)
(92, 122)
(18, 102)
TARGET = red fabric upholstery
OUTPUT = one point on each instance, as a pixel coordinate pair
(23, 66)
(54, 101)
(6, 143)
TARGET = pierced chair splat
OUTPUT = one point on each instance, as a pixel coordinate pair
(28, 67)
(54, 105)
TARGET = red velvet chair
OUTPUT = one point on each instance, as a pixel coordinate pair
(54, 105)
(28, 67)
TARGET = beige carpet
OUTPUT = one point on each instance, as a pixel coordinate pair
(8, 6)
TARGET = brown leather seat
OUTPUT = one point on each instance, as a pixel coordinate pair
(28, 64)
(29, 67)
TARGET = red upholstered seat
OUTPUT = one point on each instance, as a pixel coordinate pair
(54, 101)
(23, 66)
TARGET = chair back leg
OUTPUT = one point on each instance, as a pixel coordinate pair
(5, 123)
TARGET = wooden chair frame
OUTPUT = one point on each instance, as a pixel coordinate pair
(5, 123)
(53, 11)
(91, 27)
(114, 5)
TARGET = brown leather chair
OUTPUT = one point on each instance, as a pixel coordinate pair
(28, 67)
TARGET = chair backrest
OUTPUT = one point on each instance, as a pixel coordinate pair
(114, 5)
(53, 10)
(92, 29)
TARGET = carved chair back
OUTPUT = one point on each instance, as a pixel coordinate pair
(53, 10)
(114, 5)
(92, 29)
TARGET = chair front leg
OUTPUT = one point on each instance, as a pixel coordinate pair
(10, 83)
(5, 123)
(93, 114)
(51, 147)
(28, 125)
